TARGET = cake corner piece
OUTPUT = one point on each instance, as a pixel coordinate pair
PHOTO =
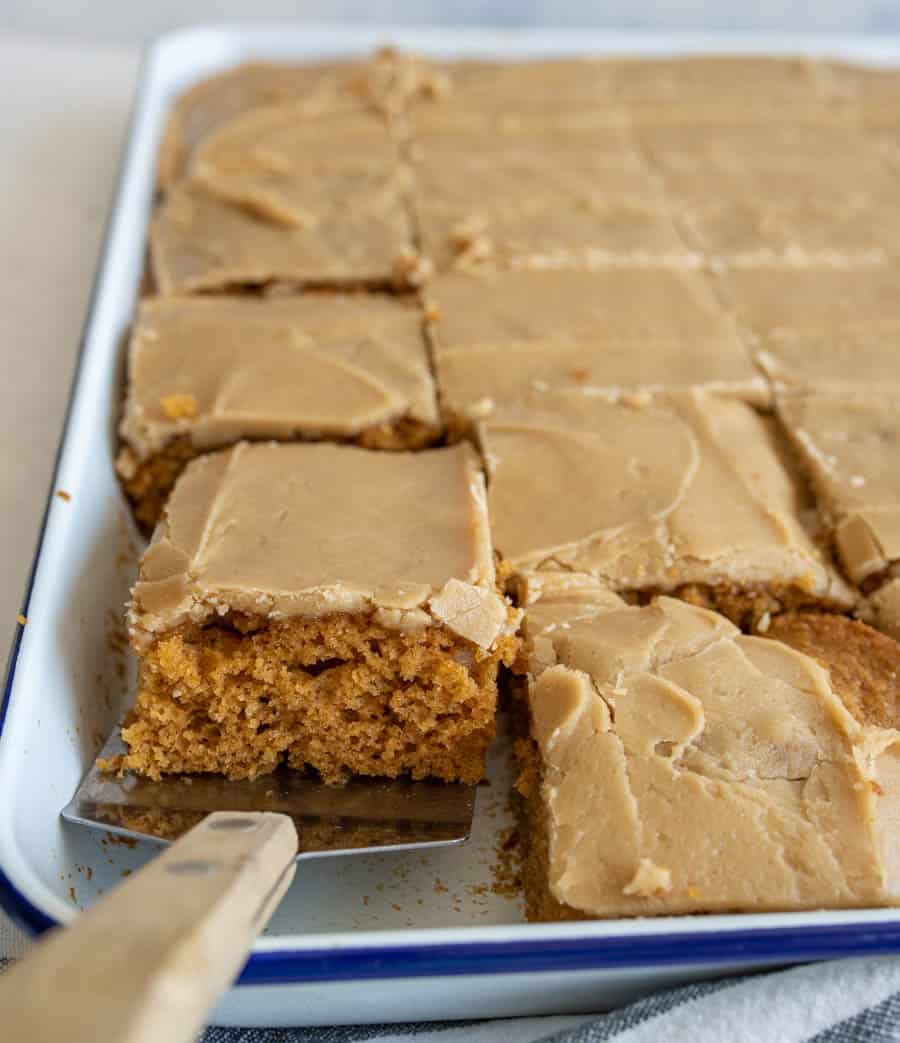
(322, 606)
(734, 772)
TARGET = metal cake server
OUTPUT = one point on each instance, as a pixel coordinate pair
(149, 960)
(366, 814)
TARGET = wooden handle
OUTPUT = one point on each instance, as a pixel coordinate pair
(148, 963)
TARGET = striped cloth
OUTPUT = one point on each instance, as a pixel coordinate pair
(844, 1001)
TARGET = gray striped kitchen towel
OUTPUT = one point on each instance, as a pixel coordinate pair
(843, 1001)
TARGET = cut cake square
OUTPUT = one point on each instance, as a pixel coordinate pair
(322, 606)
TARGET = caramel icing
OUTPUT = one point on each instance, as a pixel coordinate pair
(682, 91)
(872, 92)
(822, 329)
(523, 90)
(838, 165)
(315, 366)
(386, 83)
(308, 530)
(293, 168)
(849, 445)
(514, 203)
(515, 122)
(651, 495)
(200, 243)
(759, 229)
(730, 78)
(553, 602)
(715, 91)
(500, 336)
(690, 768)
(882, 609)
(793, 196)
(214, 101)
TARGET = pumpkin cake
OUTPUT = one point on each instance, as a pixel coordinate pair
(324, 606)
(675, 765)
(204, 373)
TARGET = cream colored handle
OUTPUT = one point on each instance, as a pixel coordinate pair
(148, 963)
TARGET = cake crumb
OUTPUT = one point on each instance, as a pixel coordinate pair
(63, 495)
(649, 880)
(507, 868)
(21, 620)
(637, 399)
(116, 635)
(115, 838)
(411, 269)
(179, 405)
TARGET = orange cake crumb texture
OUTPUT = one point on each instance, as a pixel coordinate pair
(864, 665)
(340, 694)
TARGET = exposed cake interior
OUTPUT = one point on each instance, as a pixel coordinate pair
(340, 694)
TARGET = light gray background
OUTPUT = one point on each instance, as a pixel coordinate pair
(125, 21)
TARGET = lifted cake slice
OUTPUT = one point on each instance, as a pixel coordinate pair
(322, 606)
(205, 373)
(676, 765)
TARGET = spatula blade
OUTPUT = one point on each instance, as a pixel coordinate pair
(364, 815)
